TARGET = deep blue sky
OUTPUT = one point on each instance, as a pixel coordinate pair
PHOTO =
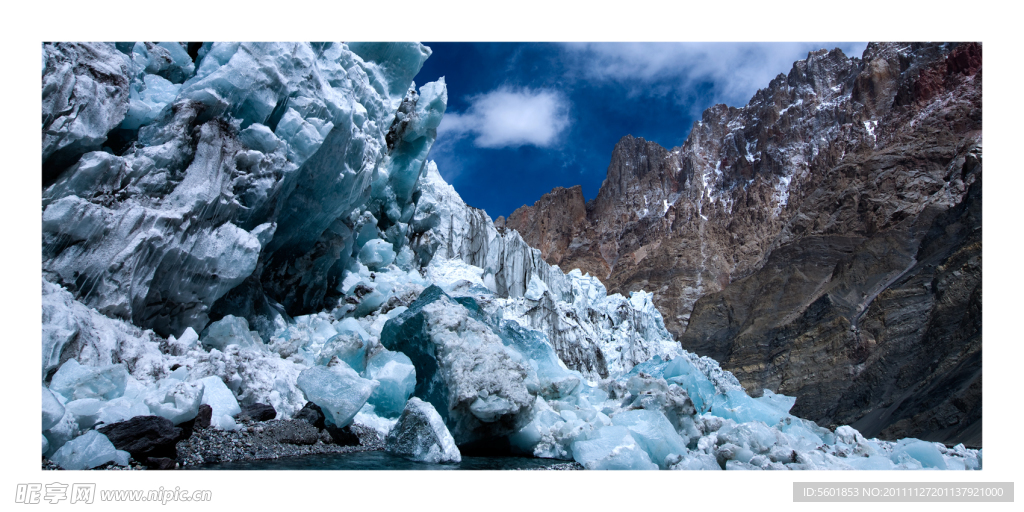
(523, 118)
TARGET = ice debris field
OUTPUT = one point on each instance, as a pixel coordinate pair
(269, 230)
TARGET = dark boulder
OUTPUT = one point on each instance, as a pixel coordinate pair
(160, 463)
(144, 437)
(312, 414)
(343, 436)
(258, 412)
(202, 420)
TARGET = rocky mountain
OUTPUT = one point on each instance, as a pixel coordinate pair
(823, 241)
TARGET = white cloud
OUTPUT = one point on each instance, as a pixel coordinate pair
(510, 118)
(737, 70)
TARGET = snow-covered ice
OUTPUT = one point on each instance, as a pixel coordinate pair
(421, 435)
(88, 451)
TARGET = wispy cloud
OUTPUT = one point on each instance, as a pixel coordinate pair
(734, 70)
(509, 118)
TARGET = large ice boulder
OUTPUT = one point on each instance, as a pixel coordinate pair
(230, 330)
(339, 391)
(914, 451)
(397, 377)
(53, 410)
(611, 448)
(421, 435)
(175, 400)
(88, 451)
(463, 368)
(63, 431)
(377, 254)
(222, 400)
(75, 381)
(653, 432)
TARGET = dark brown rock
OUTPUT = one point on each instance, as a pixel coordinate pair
(204, 416)
(258, 412)
(343, 436)
(160, 463)
(312, 414)
(144, 437)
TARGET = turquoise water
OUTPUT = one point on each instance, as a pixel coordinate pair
(379, 460)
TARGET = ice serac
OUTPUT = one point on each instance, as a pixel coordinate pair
(463, 368)
(594, 333)
(85, 96)
(240, 196)
(445, 225)
(421, 435)
(801, 239)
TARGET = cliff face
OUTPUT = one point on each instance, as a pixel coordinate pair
(823, 241)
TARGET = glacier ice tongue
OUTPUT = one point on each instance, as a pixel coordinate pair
(254, 377)
(455, 276)
(397, 64)
(547, 375)
(596, 334)
(338, 390)
(421, 435)
(289, 134)
(167, 60)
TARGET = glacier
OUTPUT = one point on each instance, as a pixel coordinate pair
(261, 223)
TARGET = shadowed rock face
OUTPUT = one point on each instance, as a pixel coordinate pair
(823, 241)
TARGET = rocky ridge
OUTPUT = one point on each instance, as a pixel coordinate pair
(823, 241)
